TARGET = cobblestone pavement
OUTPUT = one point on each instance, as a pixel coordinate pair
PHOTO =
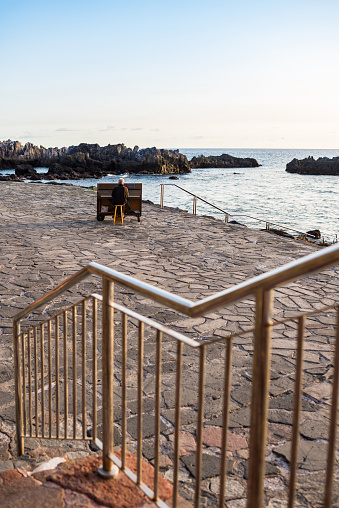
(49, 232)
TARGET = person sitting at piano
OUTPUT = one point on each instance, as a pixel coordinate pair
(120, 194)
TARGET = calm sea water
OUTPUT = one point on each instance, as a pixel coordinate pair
(300, 202)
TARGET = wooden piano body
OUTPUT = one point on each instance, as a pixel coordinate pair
(104, 200)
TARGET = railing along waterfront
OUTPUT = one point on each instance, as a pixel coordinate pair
(58, 377)
(268, 223)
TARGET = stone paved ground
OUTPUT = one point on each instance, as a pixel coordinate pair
(48, 232)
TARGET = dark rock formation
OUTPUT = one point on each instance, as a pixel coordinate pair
(315, 233)
(26, 171)
(91, 160)
(310, 166)
(223, 161)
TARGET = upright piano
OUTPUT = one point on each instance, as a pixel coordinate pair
(104, 200)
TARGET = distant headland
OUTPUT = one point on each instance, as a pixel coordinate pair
(93, 161)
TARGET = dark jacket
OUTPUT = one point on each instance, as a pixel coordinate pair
(119, 195)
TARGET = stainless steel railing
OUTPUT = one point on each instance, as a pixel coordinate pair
(34, 383)
(268, 224)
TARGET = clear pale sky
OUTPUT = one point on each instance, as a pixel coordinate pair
(170, 73)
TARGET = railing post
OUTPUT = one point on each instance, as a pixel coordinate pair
(261, 377)
(331, 450)
(194, 205)
(108, 469)
(162, 190)
(227, 218)
(18, 388)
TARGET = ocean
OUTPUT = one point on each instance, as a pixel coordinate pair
(268, 193)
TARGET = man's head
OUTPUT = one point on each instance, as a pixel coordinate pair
(121, 181)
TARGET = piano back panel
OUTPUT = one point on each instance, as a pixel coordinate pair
(104, 193)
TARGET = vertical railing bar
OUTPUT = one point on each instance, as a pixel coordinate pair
(83, 330)
(42, 345)
(57, 374)
(161, 195)
(65, 331)
(29, 346)
(95, 365)
(108, 469)
(296, 411)
(124, 387)
(157, 413)
(49, 352)
(176, 443)
(140, 393)
(18, 387)
(332, 449)
(74, 337)
(225, 420)
(260, 393)
(23, 359)
(200, 423)
(36, 381)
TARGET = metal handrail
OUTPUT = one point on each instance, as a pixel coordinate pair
(228, 214)
(188, 192)
(296, 269)
(261, 287)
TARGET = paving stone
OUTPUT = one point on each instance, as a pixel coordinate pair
(270, 470)
(147, 426)
(212, 436)
(315, 429)
(280, 416)
(186, 416)
(188, 443)
(277, 432)
(5, 465)
(312, 455)
(286, 402)
(27, 492)
(242, 395)
(210, 465)
(188, 398)
(234, 489)
(240, 418)
(319, 391)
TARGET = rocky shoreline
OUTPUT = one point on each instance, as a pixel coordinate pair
(311, 166)
(93, 161)
(223, 161)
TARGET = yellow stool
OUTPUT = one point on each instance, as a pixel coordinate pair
(121, 213)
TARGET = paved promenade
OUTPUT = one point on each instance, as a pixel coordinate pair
(49, 232)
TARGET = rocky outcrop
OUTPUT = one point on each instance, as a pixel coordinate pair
(315, 233)
(223, 161)
(26, 171)
(92, 160)
(13, 153)
(311, 166)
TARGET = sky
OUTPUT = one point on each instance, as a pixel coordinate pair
(169, 73)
